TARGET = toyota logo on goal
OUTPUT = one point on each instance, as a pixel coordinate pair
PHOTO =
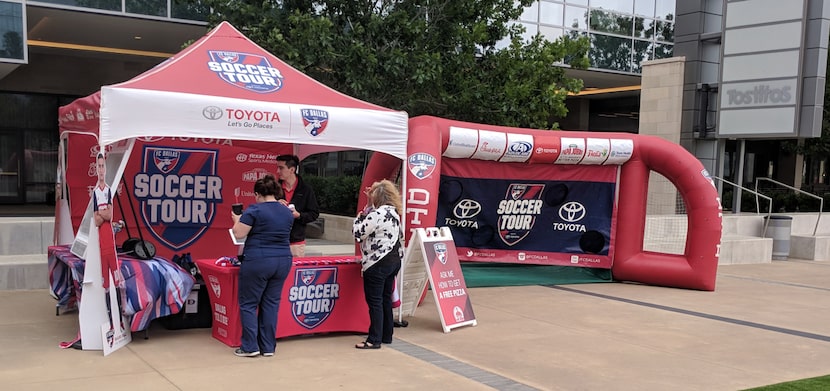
(572, 212)
(466, 209)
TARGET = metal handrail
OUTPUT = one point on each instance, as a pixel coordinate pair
(757, 204)
(820, 199)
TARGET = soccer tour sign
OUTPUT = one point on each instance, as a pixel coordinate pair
(178, 190)
(252, 72)
(313, 295)
(323, 297)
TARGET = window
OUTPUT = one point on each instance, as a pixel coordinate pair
(576, 18)
(664, 9)
(109, 5)
(530, 31)
(11, 31)
(643, 27)
(609, 52)
(644, 8)
(550, 33)
(343, 163)
(664, 31)
(642, 52)
(146, 7)
(310, 166)
(189, 10)
(330, 164)
(663, 50)
(531, 13)
(40, 165)
(551, 13)
(353, 163)
(626, 6)
(28, 147)
(611, 22)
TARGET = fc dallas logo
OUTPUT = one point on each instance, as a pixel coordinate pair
(166, 159)
(421, 165)
(315, 121)
(441, 252)
(214, 284)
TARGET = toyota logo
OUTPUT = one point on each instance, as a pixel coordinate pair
(212, 113)
(572, 211)
(150, 139)
(466, 209)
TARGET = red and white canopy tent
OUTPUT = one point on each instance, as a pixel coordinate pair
(222, 87)
(224, 79)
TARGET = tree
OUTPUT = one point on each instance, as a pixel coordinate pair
(436, 57)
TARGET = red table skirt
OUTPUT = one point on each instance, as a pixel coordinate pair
(320, 295)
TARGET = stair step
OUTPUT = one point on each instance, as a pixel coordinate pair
(814, 248)
(26, 235)
(29, 271)
(744, 249)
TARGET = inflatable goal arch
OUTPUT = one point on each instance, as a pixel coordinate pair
(515, 195)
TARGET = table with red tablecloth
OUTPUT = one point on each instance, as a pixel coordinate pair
(321, 295)
(152, 288)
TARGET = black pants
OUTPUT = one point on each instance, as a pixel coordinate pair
(378, 284)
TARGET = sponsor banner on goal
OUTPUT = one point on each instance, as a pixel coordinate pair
(549, 215)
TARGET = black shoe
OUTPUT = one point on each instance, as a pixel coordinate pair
(367, 345)
(241, 353)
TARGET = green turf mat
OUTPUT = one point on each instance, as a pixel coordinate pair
(477, 274)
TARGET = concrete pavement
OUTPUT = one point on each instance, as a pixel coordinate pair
(764, 324)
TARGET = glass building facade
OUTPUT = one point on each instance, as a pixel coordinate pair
(175, 9)
(28, 125)
(623, 33)
(11, 31)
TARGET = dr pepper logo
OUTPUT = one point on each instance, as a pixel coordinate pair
(313, 294)
(251, 72)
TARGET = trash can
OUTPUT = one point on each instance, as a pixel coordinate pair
(779, 229)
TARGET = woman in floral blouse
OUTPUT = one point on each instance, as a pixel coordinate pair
(378, 229)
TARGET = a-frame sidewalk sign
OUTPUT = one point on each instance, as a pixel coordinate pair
(431, 256)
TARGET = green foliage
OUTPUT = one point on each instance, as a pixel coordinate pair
(336, 195)
(433, 57)
(811, 384)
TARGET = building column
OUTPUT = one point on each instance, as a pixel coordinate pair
(661, 104)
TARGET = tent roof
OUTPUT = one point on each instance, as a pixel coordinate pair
(226, 86)
(189, 72)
